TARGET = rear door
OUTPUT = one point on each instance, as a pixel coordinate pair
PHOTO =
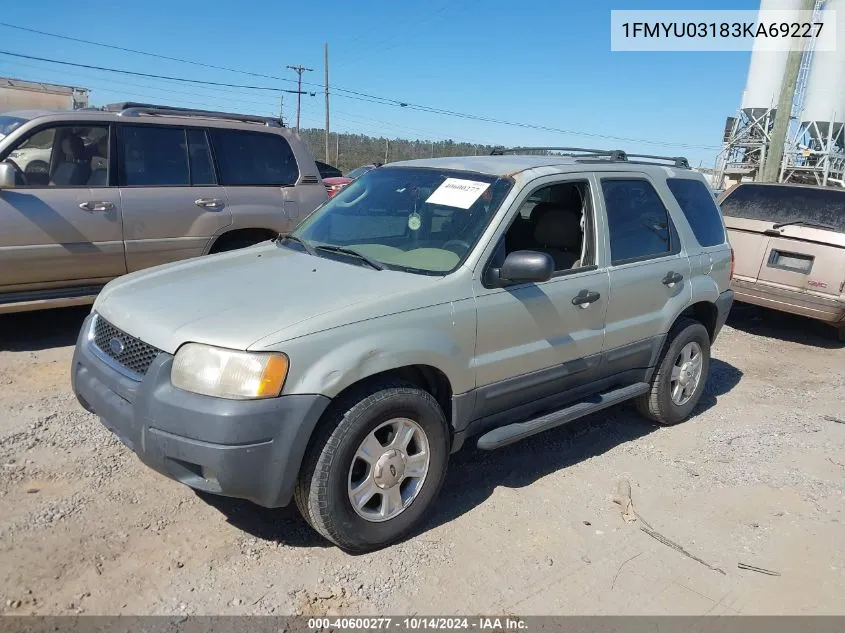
(172, 203)
(649, 272)
(60, 225)
(259, 172)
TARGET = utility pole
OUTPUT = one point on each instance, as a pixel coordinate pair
(771, 168)
(386, 149)
(336, 149)
(282, 108)
(326, 81)
(299, 70)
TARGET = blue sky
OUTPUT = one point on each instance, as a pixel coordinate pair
(548, 63)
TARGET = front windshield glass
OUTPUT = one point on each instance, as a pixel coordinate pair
(8, 124)
(415, 219)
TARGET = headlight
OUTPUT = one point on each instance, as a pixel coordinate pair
(225, 373)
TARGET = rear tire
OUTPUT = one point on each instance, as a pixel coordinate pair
(342, 463)
(680, 376)
(842, 334)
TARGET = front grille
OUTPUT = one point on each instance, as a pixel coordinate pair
(126, 350)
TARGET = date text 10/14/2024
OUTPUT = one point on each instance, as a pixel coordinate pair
(419, 623)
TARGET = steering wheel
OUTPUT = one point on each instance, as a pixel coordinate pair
(462, 244)
(365, 186)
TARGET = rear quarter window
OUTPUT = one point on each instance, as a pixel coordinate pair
(700, 210)
(253, 158)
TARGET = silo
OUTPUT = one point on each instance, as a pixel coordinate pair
(816, 154)
(824, 101)
(765, 72)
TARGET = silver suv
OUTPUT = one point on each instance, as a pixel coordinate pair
(89, 195)
(428, 302)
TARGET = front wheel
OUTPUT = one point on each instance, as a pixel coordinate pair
(680, 376)
(375, 467)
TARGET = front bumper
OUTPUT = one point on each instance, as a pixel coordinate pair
(250, 449)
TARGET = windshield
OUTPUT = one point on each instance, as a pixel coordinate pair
(359, 171)
(415, 219)
(783, 203)
(8, 124)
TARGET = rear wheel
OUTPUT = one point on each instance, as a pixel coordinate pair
(842, 334)
(680, 376)
(376, 466)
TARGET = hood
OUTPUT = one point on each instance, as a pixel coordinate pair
(234, 299)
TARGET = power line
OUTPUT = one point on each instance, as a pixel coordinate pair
(352, 94)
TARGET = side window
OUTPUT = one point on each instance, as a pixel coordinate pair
(557, 220)
(638, 222)
(700, 210)
(63, 156)
(154, 156)
(199, 154)
(254, 158)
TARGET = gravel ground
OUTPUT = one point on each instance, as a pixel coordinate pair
(755, 477)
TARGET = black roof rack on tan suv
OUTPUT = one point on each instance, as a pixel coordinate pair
(133, 109)
(607, 154)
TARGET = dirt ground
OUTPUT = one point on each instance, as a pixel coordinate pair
(756, 477)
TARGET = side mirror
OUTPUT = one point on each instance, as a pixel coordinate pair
(527, 267)
(7, 176)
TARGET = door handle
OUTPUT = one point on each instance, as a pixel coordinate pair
(101, 207)
(672, 278)
(209, 203)
(584, 298)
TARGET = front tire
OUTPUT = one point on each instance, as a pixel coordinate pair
(680, 376)
(375, 466)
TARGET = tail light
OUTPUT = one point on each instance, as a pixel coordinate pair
(732, 263)
(333, 189)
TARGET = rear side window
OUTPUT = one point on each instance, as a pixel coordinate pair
(700, 210)
(253, 158)
(784, 203)
(638, 222)
(154, 156)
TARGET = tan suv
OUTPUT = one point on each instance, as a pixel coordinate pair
(789, 243)
(89, 195)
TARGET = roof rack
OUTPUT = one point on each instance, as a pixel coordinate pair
(581, 152)
(132, 109)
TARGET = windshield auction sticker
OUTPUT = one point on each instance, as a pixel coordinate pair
(455, 192)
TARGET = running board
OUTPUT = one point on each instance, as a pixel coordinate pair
(504, 435)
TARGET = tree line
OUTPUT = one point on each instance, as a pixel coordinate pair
(348, 151)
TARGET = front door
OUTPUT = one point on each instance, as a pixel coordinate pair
(649, 272)
(61, 223)
(172, 204)
(537, 340)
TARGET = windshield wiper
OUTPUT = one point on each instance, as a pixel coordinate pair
(293, 238)
(804, 223)
(348, 251)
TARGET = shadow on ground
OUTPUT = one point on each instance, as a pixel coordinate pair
(281, 525)
(43, 329)
(783, 326)
(474, 474)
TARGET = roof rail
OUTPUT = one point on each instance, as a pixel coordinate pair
(677, 161)
(581, 152)
(133, 109)
(613, 154)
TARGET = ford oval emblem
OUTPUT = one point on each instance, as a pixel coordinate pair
(116, 346)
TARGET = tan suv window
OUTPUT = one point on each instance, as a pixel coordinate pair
(63, 156)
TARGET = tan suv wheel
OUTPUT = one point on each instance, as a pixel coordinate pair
(678, 381)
